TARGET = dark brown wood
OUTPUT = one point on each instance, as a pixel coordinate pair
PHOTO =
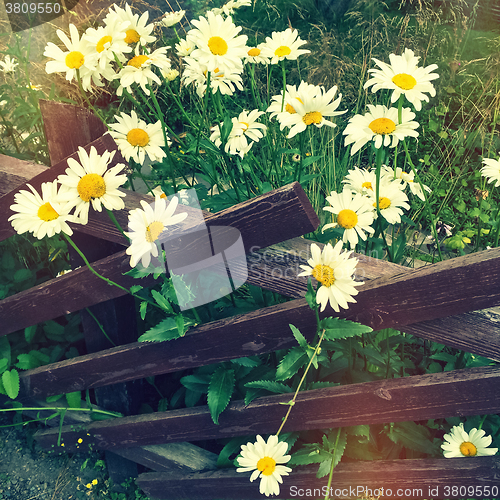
(418, 479)
(67, 127)
(84, 288)
(15, 172)
(460, 392)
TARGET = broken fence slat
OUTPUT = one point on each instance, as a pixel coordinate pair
(460, 392)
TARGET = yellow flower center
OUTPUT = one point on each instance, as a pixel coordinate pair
(404, 81)
(217, 45)
(383, 203)
(138, 61)
(153, 231)
(468, 449)
(74, 60)
(382, 126)
(324, 274)
(282, 51)
(347, 218)
(47, 213)
(131, 36)
(91, 186)
(254, 52)
(138, 137)
(266, 465)
(290, 109)
(245, 125)
(102, 42)
(367, 185)
(312, 117)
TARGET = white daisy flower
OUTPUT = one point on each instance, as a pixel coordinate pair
(138, 70)
(80, 56)
(138, 30)
(462, 444)
(381, 125)
(407, 178)
(229, 7)
(8, 65)
(491, 170)
(254, 55)
(146, 226)
(108, 41)
(361, 181)
(218, 44)
(354, 214)
(283, 45)
(293, 96)
(223, 81)
(90, 182)
(136, 138)
(391, 201)
(43, 215)
(311, 109)
(184, 47)
(172, 18)
(245, 127)
(333, 269)
(403, 76)
(264, 460)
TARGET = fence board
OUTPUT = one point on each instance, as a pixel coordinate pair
(460, 392)
(419, 478)
(15, 172)
(267, 330)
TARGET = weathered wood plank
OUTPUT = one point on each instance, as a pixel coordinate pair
(15, 172)
(259, 221)
(63, 137)
(461, 392)
(424, 478)
(267, 330)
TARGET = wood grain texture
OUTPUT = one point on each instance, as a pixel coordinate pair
(67, 127)
(15, 172)
(414, 476)
(455, 393)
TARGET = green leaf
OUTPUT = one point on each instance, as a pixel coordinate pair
(337, 440)
(163, 404)
(310, 454)
(52, 399)
(4, 364)
(299, 337)
(198, 383)
(291, 363)
(142, 309)
(164, 330)
(269, 385)
(74, 399)
(324, 468)
(311, 295)
(29, 333)
(10, 380)
(231, 448)
(411, 435)
(8, 261)
(27, 362)
(162, 301)
(220, 391)
(337, 328)
(22, 275)
(248, 362)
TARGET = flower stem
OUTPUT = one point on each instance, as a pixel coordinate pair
(330, 476)
(117, 224)
(90, 105)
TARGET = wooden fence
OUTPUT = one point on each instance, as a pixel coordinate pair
(436, 302)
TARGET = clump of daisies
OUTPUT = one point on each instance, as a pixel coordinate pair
(459, 443)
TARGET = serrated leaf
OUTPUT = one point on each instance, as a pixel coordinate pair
(136, 288)
(220, 391)
(164, 330)
(291, 364)
(231, 448)
(43, 358)
(27, 362)
(311, 295)
(269, 385)
(299, 337)
(10, 380)
(337, 328)
(74, 399)
(359, 430)
(411, 435)
(310, 454)
(337, 440)
(248, 362)
(252, 394)
(324, 468)
(162, 301)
